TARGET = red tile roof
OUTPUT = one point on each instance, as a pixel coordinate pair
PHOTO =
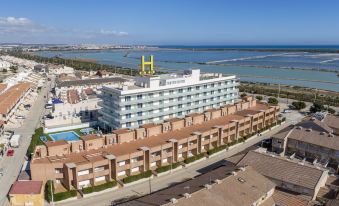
(26, 187)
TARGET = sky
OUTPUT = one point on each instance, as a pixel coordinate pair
(171, 22)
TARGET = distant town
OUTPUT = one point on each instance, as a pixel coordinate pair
(81, 137)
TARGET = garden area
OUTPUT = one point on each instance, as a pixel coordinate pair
(167, 167)
(57, 196)
(133, 178)
(98, 188)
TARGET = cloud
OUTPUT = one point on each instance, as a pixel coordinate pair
(21, 26)
(113, 33)
(24, 29)
(12, 21)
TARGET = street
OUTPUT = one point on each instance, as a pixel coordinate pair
(12, 165)
(158, 183)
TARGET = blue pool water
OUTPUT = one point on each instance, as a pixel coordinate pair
(68, 136)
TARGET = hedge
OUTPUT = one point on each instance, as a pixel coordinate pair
(137, 177)
(98, 188)
(194, 158)
(217, 149)
(167, 167)
(57, 196)
(35, 141)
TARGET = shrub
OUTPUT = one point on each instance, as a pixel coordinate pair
(217, 149)
(167, 167)
(137, 177)
(259, 98)
(87, 190)
(273, 101)
(317, 107)
(298, 105)
(98, 188)
(194, 158)
(64, 195)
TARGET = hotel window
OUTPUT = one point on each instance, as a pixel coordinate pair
(180, 99)
(219, 83)
(171, 99)
(161, 101)
(171, 92)
(189, 96)
(121, 163)
(139, 114)
(189, 89)
(205, 86)
(128, 116)
(219, 90)
(161, 94)
(150, 95)
(128, 124)
(180, 90)
(204, 101)
(128, 98)
(139, 105)
(83, 172)
(179, 105)
(179, 113)
(212, 92)
(139, 122)
(212, 85)
(189, 104)
(128, 107)
(197, 87)
(139, 96)
(171, 108)
(205, 93)
(196, 102)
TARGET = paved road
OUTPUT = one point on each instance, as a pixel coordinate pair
(12, 165)
(177, 176)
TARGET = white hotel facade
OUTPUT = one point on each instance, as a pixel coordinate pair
(155, 98)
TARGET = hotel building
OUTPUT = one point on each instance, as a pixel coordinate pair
(155, 98)
(95, 159)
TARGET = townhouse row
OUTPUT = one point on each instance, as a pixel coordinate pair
(95, 159)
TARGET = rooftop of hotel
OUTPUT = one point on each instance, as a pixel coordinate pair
(280, 168)
(187, 77)
(153, 141)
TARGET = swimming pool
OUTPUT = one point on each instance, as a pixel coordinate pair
(68, 136)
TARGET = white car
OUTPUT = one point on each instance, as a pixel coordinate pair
(20, 117)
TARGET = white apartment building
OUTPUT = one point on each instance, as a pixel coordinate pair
(155, 98)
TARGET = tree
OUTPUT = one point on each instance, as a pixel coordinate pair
(243, 95)
(330, 110)
(273, 101)
(259, 98)
(317, 107)
(298, 105)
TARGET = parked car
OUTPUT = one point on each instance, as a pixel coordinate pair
(48, 106)
(20, 117)
(287, 111)
(10, 152)
(266, 143)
